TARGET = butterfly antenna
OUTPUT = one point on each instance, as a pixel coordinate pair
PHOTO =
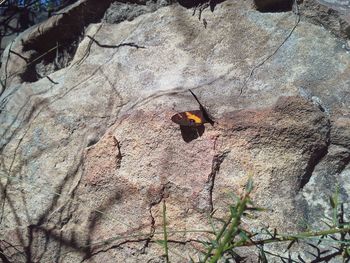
(194, 95)
(202, 108)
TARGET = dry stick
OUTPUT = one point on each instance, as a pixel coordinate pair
(50, 79)
(166, 249)
(4, 82)
(87, 53)
(131, 44)
(282, 258)
(115, 238)
(141, 238)
(22, 57)
(56, 63)
(273, 53)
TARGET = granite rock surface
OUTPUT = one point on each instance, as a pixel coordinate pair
(89, 153)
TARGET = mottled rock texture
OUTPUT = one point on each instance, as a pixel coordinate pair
(89, 154)
(120, 11)
(333, 15)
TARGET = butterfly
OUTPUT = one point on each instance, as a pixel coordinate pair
(194, 118)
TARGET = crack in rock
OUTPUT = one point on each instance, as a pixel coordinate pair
(113, 247)
(163, 192)
(215, 168)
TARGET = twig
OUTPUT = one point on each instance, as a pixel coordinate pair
(201, 7)
(24, 58)
(50, 79)
(131, 44)
(4, 82)
(87, 53)
(166, 249)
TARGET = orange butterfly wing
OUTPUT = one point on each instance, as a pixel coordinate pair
(193, 118)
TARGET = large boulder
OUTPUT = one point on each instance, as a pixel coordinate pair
(89, 154)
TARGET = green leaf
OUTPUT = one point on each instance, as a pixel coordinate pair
(249, 185)
(243, 236)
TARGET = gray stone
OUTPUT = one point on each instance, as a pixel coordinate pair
(89, 155)
(333, 15)
(119, 11)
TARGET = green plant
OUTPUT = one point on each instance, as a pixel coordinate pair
(230, 235)
(230, 229)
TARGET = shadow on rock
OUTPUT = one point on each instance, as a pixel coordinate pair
(191, 133)
(196, 3)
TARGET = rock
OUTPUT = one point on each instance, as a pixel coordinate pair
(50, 45)
(266, 143)
(333, 15)
(340, 132)
(119, 11)
(44, 41)
(87, 161)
